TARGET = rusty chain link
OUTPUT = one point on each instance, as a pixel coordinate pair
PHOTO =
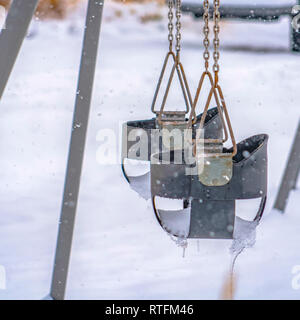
(178, 27)
(216, 41)
(206, 54)
(170, 24)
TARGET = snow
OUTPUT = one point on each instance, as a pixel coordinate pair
(119, 250)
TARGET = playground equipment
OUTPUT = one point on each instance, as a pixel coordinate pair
(221, 175)
(152, 134)
(291, 174)
(260, 13)
(12, 36)
(243, 164)
(17, 22)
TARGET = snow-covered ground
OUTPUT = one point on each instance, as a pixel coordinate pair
(119, 250)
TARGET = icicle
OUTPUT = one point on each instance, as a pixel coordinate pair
(244, 237)
(180, 242)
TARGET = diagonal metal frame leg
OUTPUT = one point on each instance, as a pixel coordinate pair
(11, 38)
(295, 33)
(291, 174)
(296, 37)
(77, 146)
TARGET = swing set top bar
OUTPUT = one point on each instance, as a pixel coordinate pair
(265, 13)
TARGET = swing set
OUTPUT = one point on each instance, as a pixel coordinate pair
(217, 176)
(263, 13)
(194, 167)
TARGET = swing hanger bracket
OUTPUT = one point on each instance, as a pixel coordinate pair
(173, 117)
(214, 165)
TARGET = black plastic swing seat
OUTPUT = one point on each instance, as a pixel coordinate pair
(211, 209)
(142, 138)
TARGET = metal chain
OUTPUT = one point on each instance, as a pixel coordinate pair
(178, 27)
(206, 42)
(216, 18)
(170, 24)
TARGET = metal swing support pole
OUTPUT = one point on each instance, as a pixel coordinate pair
(77, 146)
(296, 36)
(11, 38)
(291, 174)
